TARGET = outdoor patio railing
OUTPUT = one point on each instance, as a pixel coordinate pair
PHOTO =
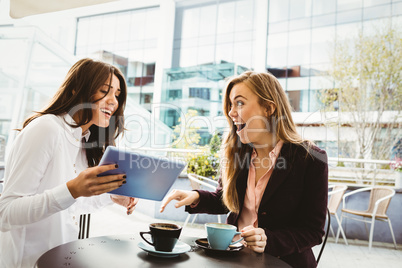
(362, 171)
(350, 171)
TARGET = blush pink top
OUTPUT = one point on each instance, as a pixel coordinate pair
(254, 192)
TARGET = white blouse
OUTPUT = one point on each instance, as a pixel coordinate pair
(37, 211)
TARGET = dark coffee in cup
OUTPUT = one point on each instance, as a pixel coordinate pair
(164, 236)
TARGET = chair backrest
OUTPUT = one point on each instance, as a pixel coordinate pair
(197, 182)
(335, 197)
(376, 194)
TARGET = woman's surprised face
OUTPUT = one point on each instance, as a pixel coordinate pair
(106, 102)
(248, 116)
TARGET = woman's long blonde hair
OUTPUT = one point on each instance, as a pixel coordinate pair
(235, 154)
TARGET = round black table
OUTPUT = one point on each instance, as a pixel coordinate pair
(123, 251)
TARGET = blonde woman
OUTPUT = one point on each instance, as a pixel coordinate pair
(273, 182)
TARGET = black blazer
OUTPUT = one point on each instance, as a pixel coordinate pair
(293, 207)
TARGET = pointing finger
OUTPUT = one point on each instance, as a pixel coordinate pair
(173, 195)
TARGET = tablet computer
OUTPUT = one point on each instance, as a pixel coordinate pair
(148, 177)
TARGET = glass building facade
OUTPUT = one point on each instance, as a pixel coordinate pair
(27, 55)
(301, 34)
(214, 31)
(177, 54)
(210, 36)
(127, 39)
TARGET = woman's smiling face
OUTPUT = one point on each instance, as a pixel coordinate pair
(249, 116)
(106, 103)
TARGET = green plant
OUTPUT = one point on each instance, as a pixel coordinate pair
(207, 163)
(340, 164)
(215, 143)
(185, 135)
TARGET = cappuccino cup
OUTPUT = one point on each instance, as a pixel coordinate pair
(220, 235)
(164, 236)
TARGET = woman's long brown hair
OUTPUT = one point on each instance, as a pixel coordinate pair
(236, 154)
(83, 80)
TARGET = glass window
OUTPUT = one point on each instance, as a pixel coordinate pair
(314, 101)
(323, 7)
(226, 18)
(225, 38)
(127, 39)
(243, 54)
(397, 9)
(190, 23)
(108, 23)
(349, 4)
(304, 100)
(208, 24)
(244, 16)
(151, 24)
(299, 47)
(319, 78)
(277, 50)
(224, 52)
(299, 24)
(322, 40)
(349, 16)
(82, 33)
(278, 27)
(298, 83)
(370, 3)
(188, 57)
(206, 54)
(294, 99)
(219, 30)
(243, 36)
(377, 12)
(346, 31)
(199, 92)
(174, 94)
(324, 20)
(278, 10)
(299, 9)
(137, 32)
(189, 42)
(95, 32)
(371, 27)
(147, 98)
(207, 40)
(121, 31)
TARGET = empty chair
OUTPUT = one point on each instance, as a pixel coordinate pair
(197, 182)
(380, 197)
(336, 194)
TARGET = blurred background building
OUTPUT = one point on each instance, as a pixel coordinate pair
(176, 55)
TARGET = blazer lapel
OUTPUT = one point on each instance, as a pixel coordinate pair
(241, 186)
(281, 171)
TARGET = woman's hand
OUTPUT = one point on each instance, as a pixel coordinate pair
(125, 201)
(88, 183)
(255, 238)
(184, 198)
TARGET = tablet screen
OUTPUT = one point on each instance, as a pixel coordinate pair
(148, 177)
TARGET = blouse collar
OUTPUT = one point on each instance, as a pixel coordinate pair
(75, 131)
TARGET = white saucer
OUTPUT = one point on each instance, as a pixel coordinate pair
(178, 249)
